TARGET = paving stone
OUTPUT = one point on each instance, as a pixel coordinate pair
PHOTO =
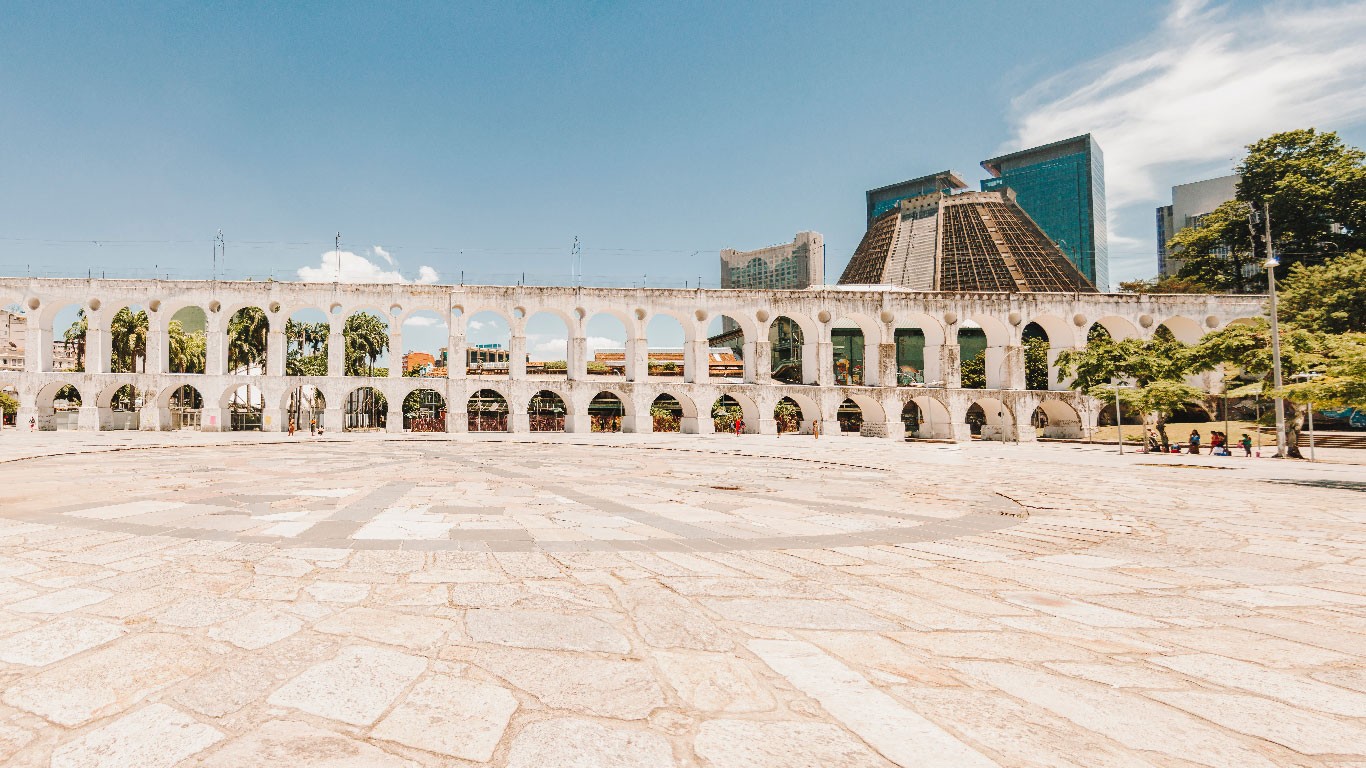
(666, 620)
(107, 680)
(256, 629)
(355, 687)
(202, 610)
(155, 736)
(1304, 732)
(236, 683)
(1078, 611)
(799, 614)
(898, 733)
(610, 688)
(57, 640)
(713, 682)
(548, 631)
(1268, 682)
(993, 645)
(748, 744)
(573, 743)
(301, 745)
(450, 716)
(338, 592)
(61, 601)
(390, 627)
(1129, 719)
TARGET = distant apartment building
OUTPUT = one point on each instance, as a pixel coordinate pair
(787, 266)
(419, 362)
(1191, 203)
(1062, 187)
(14, 339)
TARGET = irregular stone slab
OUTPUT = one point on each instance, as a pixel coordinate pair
(61, 601)
(56, 640)
(894, 730)
(625, 690)
(800, 614)
(338, 592)
(107, 680)
(236, 683)
(450, 716)
(540, 629)
(355, 687)
(571, 743)
(1129, 719)
(1020, 735)
(1268, 682)
(1083, 613)
(1304, 732)
(713, 682)
(155, 736)
(1002, 644)
(666, 620)
(746, 744)
(202, 610)
(300, 745)
(257, 629)
(390, 627)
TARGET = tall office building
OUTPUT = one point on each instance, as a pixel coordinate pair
(1190, 203)
(1062, 188)
(788, 266)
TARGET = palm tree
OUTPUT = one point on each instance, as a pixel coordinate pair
(75, 335)
(128, 339)
(248, 331)
(367, 337)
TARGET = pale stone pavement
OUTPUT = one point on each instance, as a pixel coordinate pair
(617, 600)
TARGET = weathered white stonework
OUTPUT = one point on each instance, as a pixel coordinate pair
(1007, 404)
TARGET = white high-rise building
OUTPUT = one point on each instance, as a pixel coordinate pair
(1190, 203)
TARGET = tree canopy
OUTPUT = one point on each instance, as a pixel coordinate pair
(1326, 298)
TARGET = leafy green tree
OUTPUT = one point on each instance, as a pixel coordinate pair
(366, 337)
(248, 331)
(1156, 367)
(75, 336)
(972, 372)
(8, 405)
(1164, 284)
(1316, 188)
(1341, 377)
(128, 340)
(1328, 297)
(186, 352)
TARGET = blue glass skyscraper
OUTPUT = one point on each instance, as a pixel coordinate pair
(1062, 187)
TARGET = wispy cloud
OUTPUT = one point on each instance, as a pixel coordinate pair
(356, 268)
(556, 347)
(1180, 104)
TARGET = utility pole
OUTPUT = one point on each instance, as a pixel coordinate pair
(1271, 264)
(1119, 420)
(339, 257)
(575, 263)
(219, 244)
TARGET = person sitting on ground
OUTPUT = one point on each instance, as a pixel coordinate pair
(1194, 442)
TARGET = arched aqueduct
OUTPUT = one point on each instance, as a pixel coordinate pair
(1007, 404)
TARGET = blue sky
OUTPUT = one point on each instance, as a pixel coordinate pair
(443, 138)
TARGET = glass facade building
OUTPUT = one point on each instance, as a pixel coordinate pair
(1062, 188)
(886, 198)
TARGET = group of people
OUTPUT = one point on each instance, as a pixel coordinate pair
(1218, 444)
(313, 427)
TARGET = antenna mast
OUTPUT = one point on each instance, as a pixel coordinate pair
(576, 262)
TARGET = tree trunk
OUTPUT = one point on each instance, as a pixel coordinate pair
(1294, 416)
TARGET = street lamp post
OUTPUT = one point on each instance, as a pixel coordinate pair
(1271, 265)
(1119, 420)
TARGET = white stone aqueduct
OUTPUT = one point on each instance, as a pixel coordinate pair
(1008, 406)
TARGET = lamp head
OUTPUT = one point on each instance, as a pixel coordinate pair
(1271, 263)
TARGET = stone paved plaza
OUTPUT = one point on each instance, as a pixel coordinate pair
(366, 600)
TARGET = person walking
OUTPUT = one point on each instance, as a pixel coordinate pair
(816, 429)
(1246, 442)
(739, 425)
(1194, 443)
(32, 424)
(313, 426)
(291, 426)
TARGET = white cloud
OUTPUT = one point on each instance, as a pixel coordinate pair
(555, 347)
(475, 325)
(1181, 104)
(355, 268)
(422, 321)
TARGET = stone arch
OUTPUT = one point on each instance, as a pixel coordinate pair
(927, 418)
(687, 413)
(1037, 350)
(246, 337)
(788, 415)
(809, 406)
(855, 340)
(424, 409)
(997, 419)
(548, 351)
(364, 353)
(1119, 328)
(726, 331)
(917, 340)
(422, 359)
(181, 406)
(364, 408)
(487, 410)
(546, 412)
(55, 318)
(305, 403)
(1060, 419)
(119, 404)
(607, 412)
(749, 412)
(666, 360)
(184, 351)
(1185, 329)
(997, 337)
(242, 406)
(603, 356)
(792, 341)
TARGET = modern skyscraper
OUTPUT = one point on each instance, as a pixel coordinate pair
(1190, 203)
(788, 266)
(1062, 188)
